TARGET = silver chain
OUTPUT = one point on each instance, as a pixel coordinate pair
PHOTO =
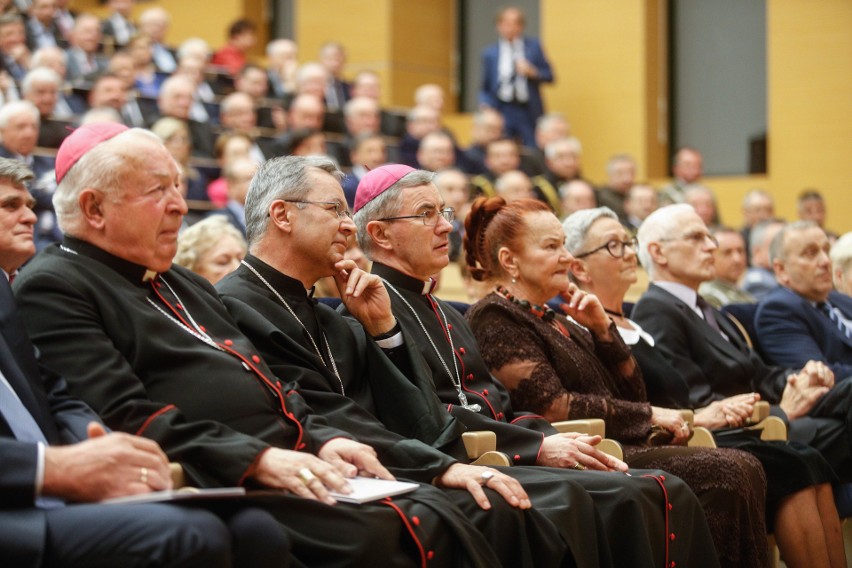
(455, 379)
(310, 337)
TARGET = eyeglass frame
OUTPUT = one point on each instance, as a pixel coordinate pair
(339, 209)
(693, 237)
(447, 213)
(632, 242)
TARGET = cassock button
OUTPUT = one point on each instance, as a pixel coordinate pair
(450, 326)
(202, 328)
(672, 536)
(517, 457)
(485, 392)
(461, 350)
(430, 555)
(499, 416)
(179, 306)
(470, 376)
(416, 521)
(255, 358)
(301, 446)
(228, 342)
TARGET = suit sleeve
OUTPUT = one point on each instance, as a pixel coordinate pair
(542, 65)
(787, 337)
(18, 463)
(488, 87)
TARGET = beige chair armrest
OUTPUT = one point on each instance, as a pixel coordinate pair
(688, 415)
(761, 412)
(590, 426)
(772, 428)
(701, 438)
(481, 446)
(178, 478)
(611, 448)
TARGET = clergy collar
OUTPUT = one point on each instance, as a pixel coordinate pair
(281, 282)
(400, 280)
(135, 273)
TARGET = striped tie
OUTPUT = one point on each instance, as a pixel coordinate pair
(834, 315)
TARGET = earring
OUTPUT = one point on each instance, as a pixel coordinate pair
(514, 281)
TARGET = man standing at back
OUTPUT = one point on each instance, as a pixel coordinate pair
(512, 70)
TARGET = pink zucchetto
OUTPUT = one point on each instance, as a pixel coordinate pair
(377, 181)
(83, 139)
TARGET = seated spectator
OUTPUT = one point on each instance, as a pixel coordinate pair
(760, 279)
(234, 55)
(204, 96)
(41, 87)
(176, 139)
(796, 475)
(282, 62)
(758, 206)
(704, 202)
(730, 265)
(368, 84)
(237, 114)
(175, 100)
(710, 351)
(514, 185)
(101, 114)
(64, 18)
(42, 29)
(14, 53)
(154, 23)
(68, 103)
(301, 142)
(687, 168)
(562, 160)
(311, 79)
(501, 156)
(19, 128)
(146, 79)
(804, 318)
(108, 91)
(368, 153)
(252, 80)
(810, 206)
(436, 152)
(454, 186)
(212, 248)
(117, 28)
(194, 48)
(305, 111)
(430, 95)
(85, 62)
(421, 120)
(549, 127)
(228, 148)
(576, 195)
(332, 56)
(487, 126)
(621, 177)
(237, 174)
(361, 115)
(641, 201)
(841, 261)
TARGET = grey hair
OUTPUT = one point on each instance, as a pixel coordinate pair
(284, 177)
(104, 168)
(572, 142)
(577, 225)
(188, 45)
(195, 241)
(38, 55)
(657, 226)
(40, 75)
(546, 121)
(388, 204)
(776, 247)
(358, 103)
(14, 108)
(757, 236)
(749, 197)
(15, 172)
(227, 104)
(841, 252)
(617, 159)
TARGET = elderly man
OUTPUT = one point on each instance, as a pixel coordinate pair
(487, 126)
(709, 350)
(403, 226)
(155, 352)
(641, 201)
(760, 279)
(14, 54)
(56, 451)
(41, 87)
(758, 206)
(42, 29)
(238, 113)
(237, 174)
(562, 161)
(501, 156)
(577, 195)
(154, 23)
(436, 152)
(305, 111)
(804, 318)
(298, 227)
(84, 61)
(368, 151)
(512, 71)
(282, 57)
(621, 176)
(175, 100)
(332, 56)
(729, 262)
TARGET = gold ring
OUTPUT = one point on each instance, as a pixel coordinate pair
(486, 477)
(306, 475)
(143, 475)
(579, 467)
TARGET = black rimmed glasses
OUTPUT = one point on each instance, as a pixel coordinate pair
(430, 218)
(614, 247)
(697, 238)
(336, 206)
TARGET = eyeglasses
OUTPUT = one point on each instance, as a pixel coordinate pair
(615, 248)
(430, 218)
(697, 238)
(336, 206)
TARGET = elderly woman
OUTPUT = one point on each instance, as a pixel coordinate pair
(175, 135)
(212, 248)
(554, 367)
(799, 499)
(841, 261)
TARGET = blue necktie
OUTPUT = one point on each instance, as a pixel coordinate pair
(834, 316)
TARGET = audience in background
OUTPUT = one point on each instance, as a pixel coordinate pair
(621, 177)
(841, 261)
(641, 201)
(759, 278)
(575, 195)
(212, 248)
(687, 168)
(729, 261)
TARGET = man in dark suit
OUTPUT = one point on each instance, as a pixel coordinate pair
(42, 29)
(711, 353)
(55, 451)
(175, 100)
(805, 319)
(84, 61)
(512, 70)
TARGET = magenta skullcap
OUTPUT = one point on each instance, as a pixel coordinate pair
(81, 141)
(375, 182)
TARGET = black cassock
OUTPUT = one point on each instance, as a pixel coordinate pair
(406, 403)
(163, 359)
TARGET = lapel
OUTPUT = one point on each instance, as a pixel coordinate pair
(844, 304)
